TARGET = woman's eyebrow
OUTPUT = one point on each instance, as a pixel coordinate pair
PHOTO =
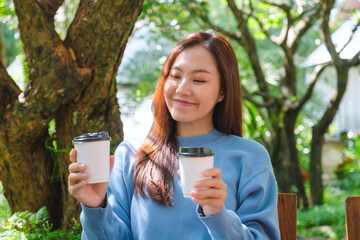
(194, 71)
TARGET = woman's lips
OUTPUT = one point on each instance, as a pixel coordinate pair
(184, 102)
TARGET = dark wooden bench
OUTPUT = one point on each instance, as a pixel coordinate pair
(352, 210)
(287, 213)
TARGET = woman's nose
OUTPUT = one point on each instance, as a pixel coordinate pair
(183, 88)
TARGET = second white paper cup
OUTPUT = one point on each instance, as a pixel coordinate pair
(193, 162)
(94, 151)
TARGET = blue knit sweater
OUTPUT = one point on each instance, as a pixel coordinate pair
(249, 212)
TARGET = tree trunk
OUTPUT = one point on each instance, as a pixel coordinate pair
(284, 156)
(319, 131)
(316, 184)
(3, 58)
(72, 83)
(290, 121)
(280, 159)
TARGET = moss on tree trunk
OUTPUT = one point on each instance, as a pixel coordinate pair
(71, 83)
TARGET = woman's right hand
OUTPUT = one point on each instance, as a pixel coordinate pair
(91, 195)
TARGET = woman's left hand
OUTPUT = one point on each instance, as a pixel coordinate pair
(210, 193)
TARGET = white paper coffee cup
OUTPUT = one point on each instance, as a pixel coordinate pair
(193, 162)
(93, 149)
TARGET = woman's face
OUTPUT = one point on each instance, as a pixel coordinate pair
(192, 89)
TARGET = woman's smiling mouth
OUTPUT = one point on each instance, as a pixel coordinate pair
(184, 102)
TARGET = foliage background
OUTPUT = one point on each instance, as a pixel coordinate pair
(161, 32)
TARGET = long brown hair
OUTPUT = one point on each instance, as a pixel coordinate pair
(157, 157)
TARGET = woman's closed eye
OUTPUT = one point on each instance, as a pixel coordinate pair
(199, 81)
(173, 76)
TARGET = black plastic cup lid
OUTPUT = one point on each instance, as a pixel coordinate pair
(92, 137)
(195, 152)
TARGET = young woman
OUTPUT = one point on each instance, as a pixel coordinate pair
(197, 103)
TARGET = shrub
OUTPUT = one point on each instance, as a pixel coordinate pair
(26, 225)
(327, 220)
(348, 172)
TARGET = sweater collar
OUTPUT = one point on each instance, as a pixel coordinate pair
(199, 141)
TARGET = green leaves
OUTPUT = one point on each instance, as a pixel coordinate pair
(30, 222)
(27, 225)
(6, 10)
(137, 76)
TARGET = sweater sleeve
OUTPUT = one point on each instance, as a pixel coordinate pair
(113, 221)
(255, 218)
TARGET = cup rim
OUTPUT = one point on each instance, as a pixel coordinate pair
(195, 152)
(92, 137)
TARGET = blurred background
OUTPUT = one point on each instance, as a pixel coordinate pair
(69, 67)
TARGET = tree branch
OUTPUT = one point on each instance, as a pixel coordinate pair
(251, 7)
(326, 6)
(284, 7)
(254, 125)
(248, 43)
(308, 9)
(299, 5)
(90, 14)
(36, 47)
(314, 78)
(238, 13)
(248, 96)
(47, 59)
(351, 37)
(355, 59)
(50, 6)
(205, 19)
(273, 38)
(282, 38)
(332, 107)
(9, 91)
(302, 27)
